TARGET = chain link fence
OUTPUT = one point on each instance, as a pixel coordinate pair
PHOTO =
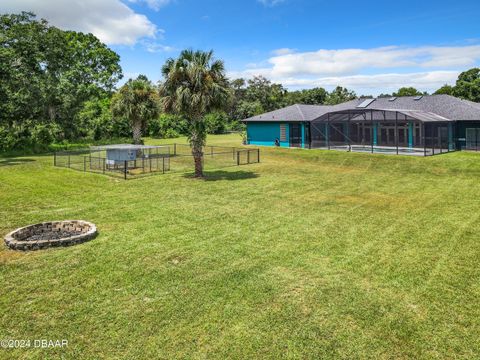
(174, 158)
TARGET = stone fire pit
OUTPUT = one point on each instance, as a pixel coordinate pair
(50, 234)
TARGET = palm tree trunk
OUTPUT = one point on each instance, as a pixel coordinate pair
(137, 132)
(198, 158)
(197, 141)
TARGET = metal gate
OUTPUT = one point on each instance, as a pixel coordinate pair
(248, 156)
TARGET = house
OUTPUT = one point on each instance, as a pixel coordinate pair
(416, 125)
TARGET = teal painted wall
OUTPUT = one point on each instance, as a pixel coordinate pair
(410, 135)
(265, 133)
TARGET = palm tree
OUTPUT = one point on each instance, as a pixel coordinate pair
(194, 85)
(139, 102)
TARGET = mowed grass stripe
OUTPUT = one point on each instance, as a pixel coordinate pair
(309, 254)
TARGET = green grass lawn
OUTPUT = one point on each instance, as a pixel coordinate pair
(309, 254)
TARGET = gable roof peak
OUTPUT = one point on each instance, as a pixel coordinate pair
(300, 111)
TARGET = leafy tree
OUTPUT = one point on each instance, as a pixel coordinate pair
(216, 122)
(167, 126)
(238, 89)
(255, 96)
(22, 55)
(340, 95)
(246, 109)
(468, 85)
(90, 72)
(238, 85)
(47, 74)
(97, 120)
(315, 96)
(138, 101)
(445, 90)
(270, 96)
(407, 91)
(194, 85)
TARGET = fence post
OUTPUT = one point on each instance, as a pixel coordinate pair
(68, 160)
(238, 157)
(150, 162)
(175, 149)
(248, 156)
(55, 158)
(258, 155)
(125, 169)
(104, 165)
(233, 153)
(143, 165)
(163, 165)
(84, 163)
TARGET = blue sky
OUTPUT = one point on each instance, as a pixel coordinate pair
(370, 47)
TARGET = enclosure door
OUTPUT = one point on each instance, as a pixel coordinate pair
(472, 137)
(295, 135)
(443, 137)
(386, 135)
(402, 136)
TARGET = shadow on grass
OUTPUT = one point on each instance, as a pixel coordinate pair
(13, 161)
(225, 175)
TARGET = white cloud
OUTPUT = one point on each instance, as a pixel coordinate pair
(111, 21)
(431, 80)
(153, 4)
(155, 47)
(351, 61)
(271, 3)
(369, 71)
(283, 51)
(362, 83)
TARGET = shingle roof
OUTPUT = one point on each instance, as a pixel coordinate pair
(438, 106)
(297, 112)
(300, 112)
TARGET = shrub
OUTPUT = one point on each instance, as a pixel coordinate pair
(106, 127)
(216, 122)
(98, 122)
(30, 135)
(167, 126)
(170, 134)
(45, 134)
(236, 126)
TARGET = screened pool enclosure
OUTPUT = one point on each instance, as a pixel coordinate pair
(407, 132)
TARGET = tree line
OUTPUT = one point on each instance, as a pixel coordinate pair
(59, 86)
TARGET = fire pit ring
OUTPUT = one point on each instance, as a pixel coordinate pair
(51, 234)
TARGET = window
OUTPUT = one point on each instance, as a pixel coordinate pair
(283, 132)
